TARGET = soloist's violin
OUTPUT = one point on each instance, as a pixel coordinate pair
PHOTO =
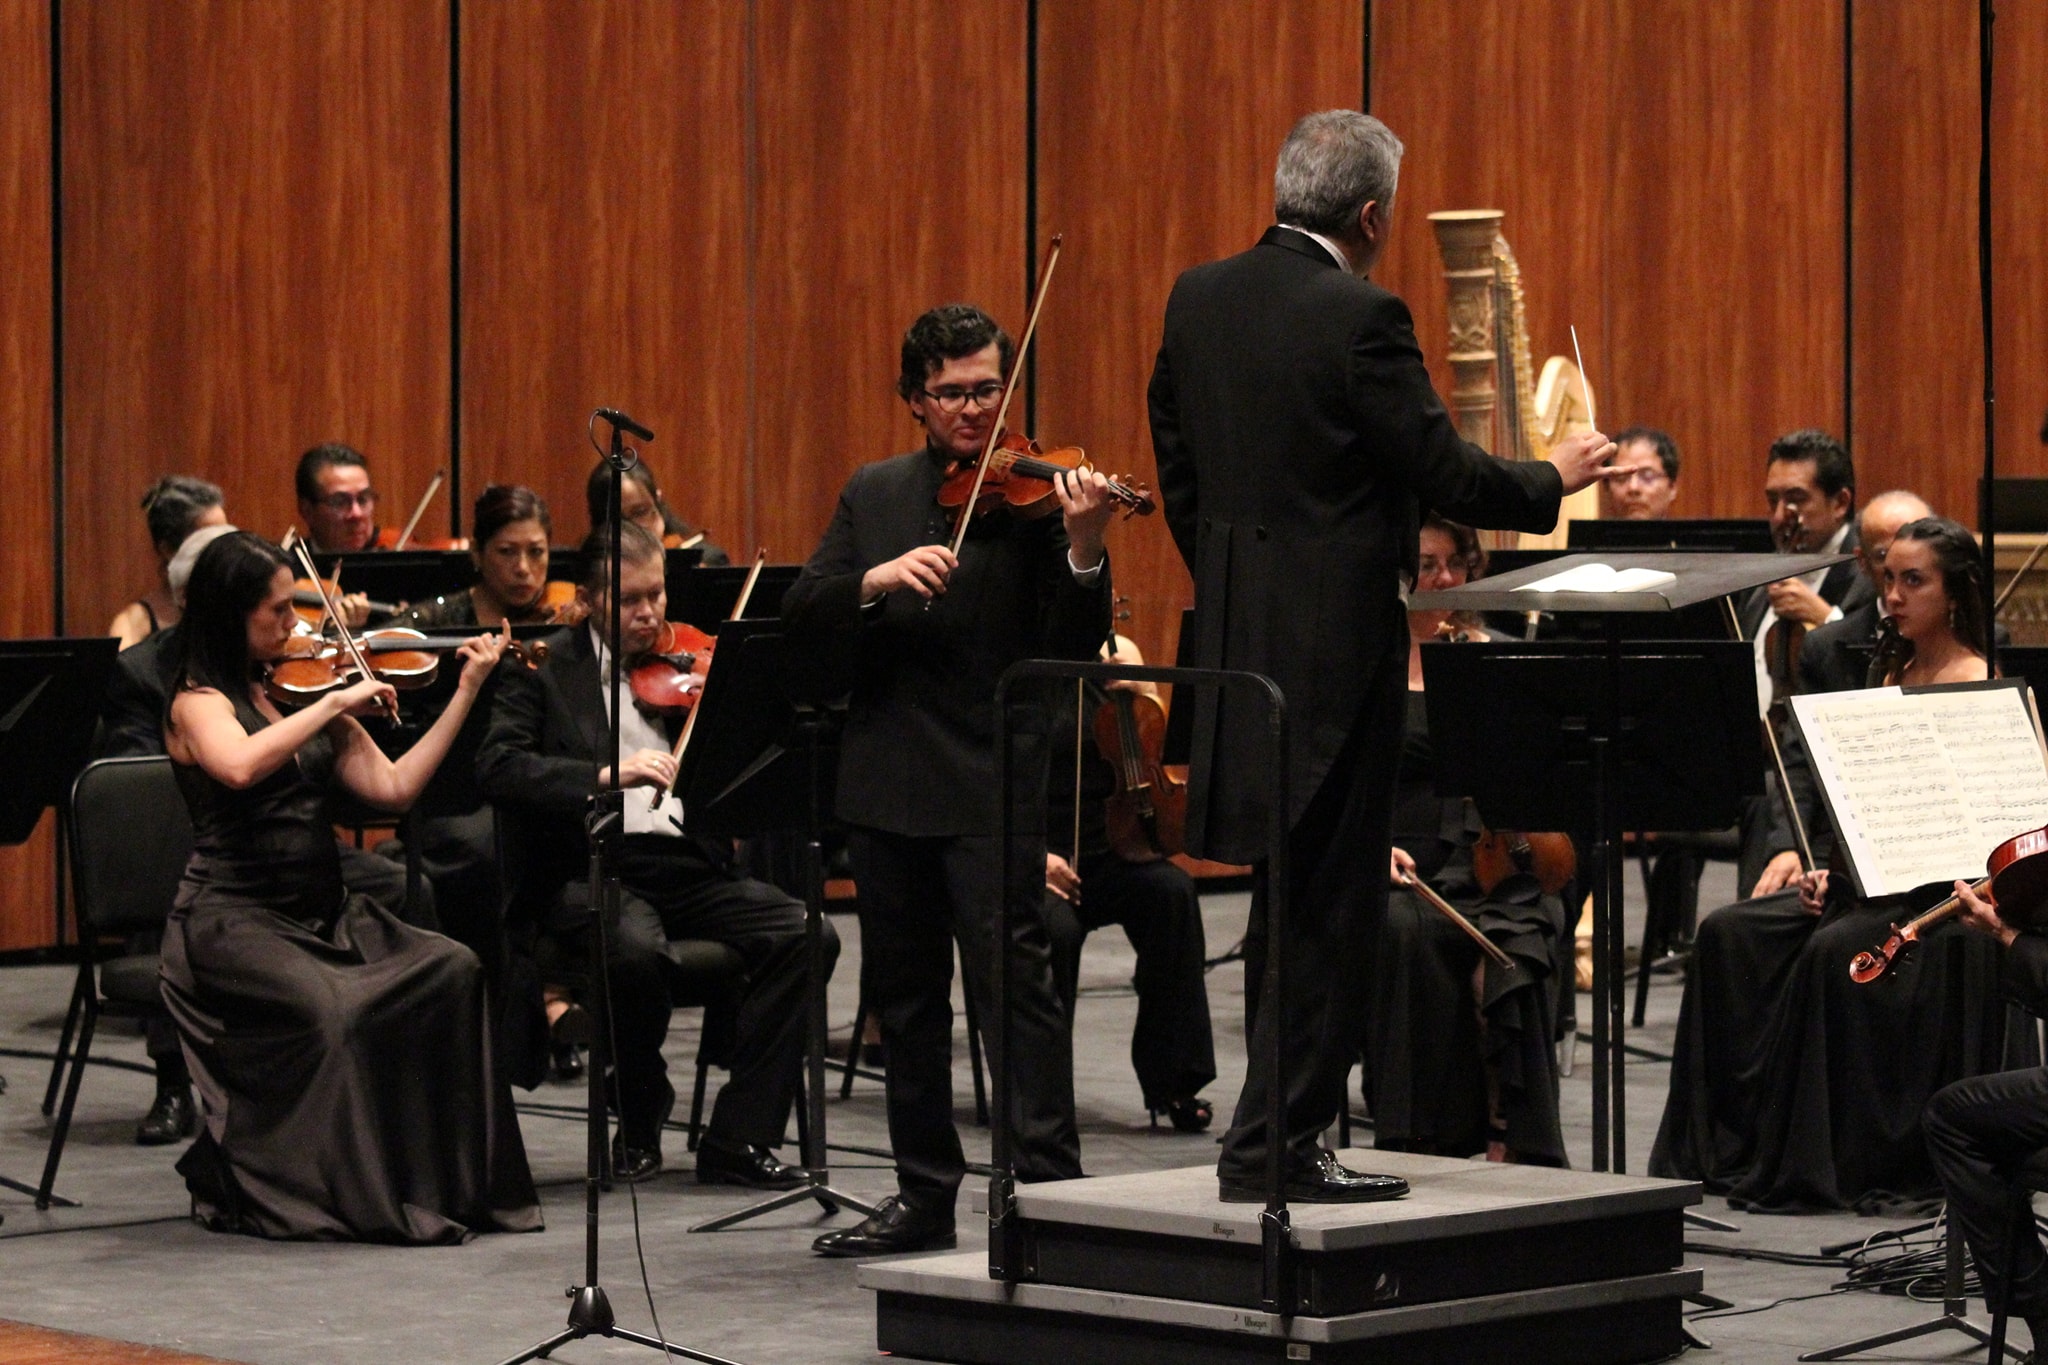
(1019, 474)
(2017, 885)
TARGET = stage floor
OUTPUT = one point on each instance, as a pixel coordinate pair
(130, 1265)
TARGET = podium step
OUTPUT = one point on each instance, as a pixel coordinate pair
(946, 1308)
(1480, 1262)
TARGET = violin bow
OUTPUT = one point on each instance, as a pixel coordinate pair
(739, 609)
(420, 509)
(995, 431)
(1451, 913)
(348, 640)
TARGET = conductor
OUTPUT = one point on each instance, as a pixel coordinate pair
(1299, 441)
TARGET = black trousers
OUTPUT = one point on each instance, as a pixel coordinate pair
(1338, 854)
(1172, 1048)
(917, 897)
(1979, 1130)
(672, 891)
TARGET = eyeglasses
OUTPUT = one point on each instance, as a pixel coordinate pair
(1428, 566)
(950, 400)
(1649, 476)
(342, 502)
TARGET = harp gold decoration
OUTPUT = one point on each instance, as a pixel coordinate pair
(1498, 400)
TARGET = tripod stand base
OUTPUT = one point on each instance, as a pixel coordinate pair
(829, 1199)
(1954, 1317)
(42, 1202)
(590, 1315)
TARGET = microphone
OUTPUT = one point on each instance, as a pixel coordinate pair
(625, 423)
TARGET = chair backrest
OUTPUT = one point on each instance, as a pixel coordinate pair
(130, 839)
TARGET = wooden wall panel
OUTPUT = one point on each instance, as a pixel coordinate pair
(603, 250)
(1144, 189)
(2019, 150)
(256, 247)
(891, 179)
(1468, 86)
(27, 378)
(1918, 380)
(1723, 219)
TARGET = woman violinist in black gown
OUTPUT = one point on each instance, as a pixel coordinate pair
(342, 1058)
(1459, 1052)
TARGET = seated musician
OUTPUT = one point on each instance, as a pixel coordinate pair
(640, 502)
(1652, 484)
(509, 530)
(336, 500)
(1140, 889)
(131, 726)
(544, 753)
(1979, 1131)
(1459, 1052)
(176, 506)
(343, 1059)
(1794, 1088)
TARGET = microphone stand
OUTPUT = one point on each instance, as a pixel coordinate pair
(590, 1309)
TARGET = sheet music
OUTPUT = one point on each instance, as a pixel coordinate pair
(1602, 578)
(1924, 786)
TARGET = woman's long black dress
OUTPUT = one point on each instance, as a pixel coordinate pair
(343, 1058)
(1428, 1045)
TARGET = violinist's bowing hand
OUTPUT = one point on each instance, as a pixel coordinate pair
(355, 609)
(1401, 868)
(1087, 507)
(1061, 879)
(1582, 461)
(479, 656)
(1813, 890)
(1980, 912)
(373, 696)
(1779, 873)
(923, 571)
(643, 768)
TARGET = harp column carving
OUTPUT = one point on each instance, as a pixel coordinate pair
(1465, 237)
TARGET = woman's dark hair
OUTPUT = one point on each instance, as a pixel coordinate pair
(230, 580)
(1962, 575)
(597, 490)
(502, 504)
(636, 546)
(174, 505)
(1466, 540)
(948, 332)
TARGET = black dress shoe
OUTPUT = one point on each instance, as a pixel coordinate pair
(573, 1026)
(633, 1163)
(894, 1227)
(567, 1061)
(1322, 1181)
(173, 1118)
(733, 1163)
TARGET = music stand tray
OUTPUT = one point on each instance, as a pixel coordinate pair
(758, 763)
(1617, 762)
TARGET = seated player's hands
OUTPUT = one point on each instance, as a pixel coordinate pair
(1792, 600)
(1087, 507)
(371, 697)
(1061, 879)
(1779, 873)
(355, 609)
(1813, 891)
(643, 768)
(1980, 912)
(923, 571)
(1400, 868)
(1582, 461)
(479, 656)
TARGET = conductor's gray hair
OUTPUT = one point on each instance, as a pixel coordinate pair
(1331, 166)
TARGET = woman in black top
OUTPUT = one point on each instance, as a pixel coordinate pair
(509, 531)
(342, 1058)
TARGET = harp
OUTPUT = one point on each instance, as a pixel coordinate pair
(1498, 399)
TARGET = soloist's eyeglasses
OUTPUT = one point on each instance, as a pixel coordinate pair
(342, 502)
(950, 399)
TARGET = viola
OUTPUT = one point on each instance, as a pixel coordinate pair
(2018, 886)
(1147, 813)
(1016, 472)
(407, 659)
(1499, 854)
(667, 679)
(564, 608)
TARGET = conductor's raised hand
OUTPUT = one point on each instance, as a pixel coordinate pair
(1087, 507)
(479, 656)
(923, 571)
(1582, 461)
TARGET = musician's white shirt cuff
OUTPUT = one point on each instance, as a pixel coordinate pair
(1085, 577)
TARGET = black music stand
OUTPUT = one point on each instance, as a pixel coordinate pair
(758, 763)
(704, 597)
(1595, 709)
(1749, 535)
(50, 692)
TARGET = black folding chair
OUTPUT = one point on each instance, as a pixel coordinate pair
(130, 839)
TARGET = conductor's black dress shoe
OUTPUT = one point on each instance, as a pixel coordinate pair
(1321, 1181)
(893, 1228)
(757, 1168)
(173, 1118)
